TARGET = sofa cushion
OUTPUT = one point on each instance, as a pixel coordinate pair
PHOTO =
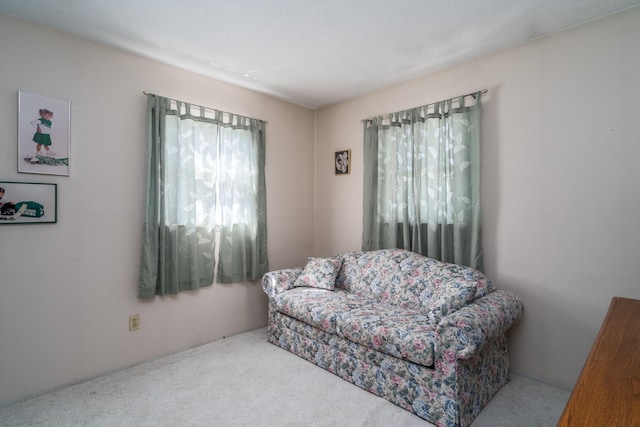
(450, 288)
(317, 307)
(399, 332)
(367, 273)
(319, 273)
(409, 280)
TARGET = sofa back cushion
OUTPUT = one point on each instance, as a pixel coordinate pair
(365, 273)
(407, 279)
(451, 287)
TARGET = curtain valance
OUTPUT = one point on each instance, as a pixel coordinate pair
(186, 110)
(435, 110)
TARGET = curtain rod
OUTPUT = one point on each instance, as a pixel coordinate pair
(201, 106)
(428, 105)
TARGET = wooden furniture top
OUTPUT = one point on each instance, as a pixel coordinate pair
(607, 392)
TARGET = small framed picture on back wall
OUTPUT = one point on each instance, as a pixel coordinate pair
(342, 162)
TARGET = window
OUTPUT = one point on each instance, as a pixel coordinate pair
(422, 181)
(205, 176)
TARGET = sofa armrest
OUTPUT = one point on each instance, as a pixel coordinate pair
(467, 330)
(278, 281)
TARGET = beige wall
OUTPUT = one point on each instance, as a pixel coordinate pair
(560, 195)
(68, 289)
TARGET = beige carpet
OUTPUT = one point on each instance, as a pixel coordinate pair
(245, 381)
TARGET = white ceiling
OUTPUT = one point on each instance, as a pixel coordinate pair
(312, 52)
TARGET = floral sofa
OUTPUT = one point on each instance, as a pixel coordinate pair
(426, 335)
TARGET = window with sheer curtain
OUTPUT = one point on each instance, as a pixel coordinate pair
(205, 201)
(422, 181)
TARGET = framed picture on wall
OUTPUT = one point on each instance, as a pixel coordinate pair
(28, 203)
(342, 162)
(44, 128)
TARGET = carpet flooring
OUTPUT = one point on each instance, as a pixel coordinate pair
(245, 381)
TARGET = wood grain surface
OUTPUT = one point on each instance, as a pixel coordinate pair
(607, 392)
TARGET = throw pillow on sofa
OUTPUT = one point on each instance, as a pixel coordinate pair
(319, 273)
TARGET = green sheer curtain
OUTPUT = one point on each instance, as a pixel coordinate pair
(422, 181)
(242, 196)
(205, 179)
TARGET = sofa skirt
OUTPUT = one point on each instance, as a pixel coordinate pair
(449, 394)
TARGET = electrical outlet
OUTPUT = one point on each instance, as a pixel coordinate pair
(134, 322)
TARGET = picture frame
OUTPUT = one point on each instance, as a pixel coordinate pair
(44, 129)
(342, 162)
(28, 203)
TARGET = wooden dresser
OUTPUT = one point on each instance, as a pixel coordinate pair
(607, 392)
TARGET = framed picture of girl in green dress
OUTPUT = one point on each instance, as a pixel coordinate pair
(44, 129)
